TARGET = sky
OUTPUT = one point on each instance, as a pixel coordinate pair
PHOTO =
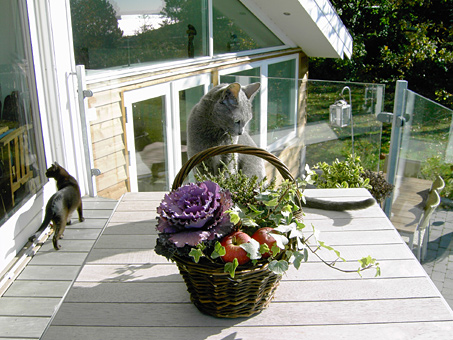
(131, 7)
(131, 12)
(130, 24)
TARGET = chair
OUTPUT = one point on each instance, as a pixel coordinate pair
(422, 229)
(15, 143)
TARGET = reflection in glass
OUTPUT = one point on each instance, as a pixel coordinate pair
(427, 139)
(237, 29)
(244, 78)
(187, 100)
(20, 175)
(150, 144)
(325, 142)
(126, 32)
(281, 111)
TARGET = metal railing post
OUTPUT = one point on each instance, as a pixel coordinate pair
(399, 108)
(86, 135)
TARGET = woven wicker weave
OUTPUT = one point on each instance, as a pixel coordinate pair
(212, 290)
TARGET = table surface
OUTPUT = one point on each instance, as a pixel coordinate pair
(125, 290)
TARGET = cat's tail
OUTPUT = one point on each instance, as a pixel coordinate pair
(45, 223)
(316, 203)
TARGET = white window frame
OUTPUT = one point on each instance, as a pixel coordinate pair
(263, 65)
(176, 86)
(94, 76)
(169, 91)
(138, 95)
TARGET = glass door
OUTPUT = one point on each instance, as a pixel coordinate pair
(148, 124)
(156, 127)
(185, 94)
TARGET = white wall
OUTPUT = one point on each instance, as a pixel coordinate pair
(57, 99)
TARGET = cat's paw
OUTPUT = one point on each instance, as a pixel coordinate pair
(81, 219)
(55, 244)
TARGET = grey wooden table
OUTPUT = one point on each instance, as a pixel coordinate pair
(126, 291)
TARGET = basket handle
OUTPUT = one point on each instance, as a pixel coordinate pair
(225, 149)
(237, 148)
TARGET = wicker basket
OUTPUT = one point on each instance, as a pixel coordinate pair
(212, 290)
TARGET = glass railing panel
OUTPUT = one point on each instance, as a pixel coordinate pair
(327, 139)
(426, 147)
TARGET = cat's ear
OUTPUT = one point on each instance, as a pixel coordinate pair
(251, 90)
(232, 90)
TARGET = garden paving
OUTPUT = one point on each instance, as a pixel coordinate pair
(438, 262)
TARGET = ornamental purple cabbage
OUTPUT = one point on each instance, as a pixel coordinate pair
(195, 213)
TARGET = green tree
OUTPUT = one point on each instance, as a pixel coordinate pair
(94, 27)
(396, 39)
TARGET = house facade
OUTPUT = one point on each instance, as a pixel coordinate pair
(104, 88)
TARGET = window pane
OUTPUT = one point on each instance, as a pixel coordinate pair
(237, 29)
(20, 175)
(150, 144)
(244, 78)
(281, 100)
(127, 32)
(187, 100)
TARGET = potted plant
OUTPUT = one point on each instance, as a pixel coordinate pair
(351, 174)
(233, 237)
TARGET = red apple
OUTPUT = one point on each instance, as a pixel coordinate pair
(233, 249)
(264, 236)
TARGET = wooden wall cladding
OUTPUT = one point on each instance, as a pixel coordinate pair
(108, 143)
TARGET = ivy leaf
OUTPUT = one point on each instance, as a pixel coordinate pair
(196, 253)
(230, 267)
(264, 248)
(296, 233)
(252, 248)
(286, 228)
(249, 222)
(298, 258)
(278, 267)
(378, 270)
(280, 240)
(322, 244)
(367, 262)
(300, 225)
(277, 218)
(254, 211)
(234, 216)
(271, 203)
(219, 250)
(275, 249)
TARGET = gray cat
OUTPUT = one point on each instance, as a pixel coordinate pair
(220, 118)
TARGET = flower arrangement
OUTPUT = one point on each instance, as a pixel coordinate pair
(233, 221)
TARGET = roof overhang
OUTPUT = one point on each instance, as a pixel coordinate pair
(313, 25)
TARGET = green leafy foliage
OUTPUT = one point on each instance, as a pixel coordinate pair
(261, 205)
(341, 174)
(230, 267)
(393, 40)
(435, 166)
(380, 188)
(243, 188)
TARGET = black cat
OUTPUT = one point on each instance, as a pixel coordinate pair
(62, 204)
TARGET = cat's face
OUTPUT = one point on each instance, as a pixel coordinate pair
(53, 170)
(233, 107)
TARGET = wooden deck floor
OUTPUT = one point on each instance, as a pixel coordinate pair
(28, 305)
(408, 200)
